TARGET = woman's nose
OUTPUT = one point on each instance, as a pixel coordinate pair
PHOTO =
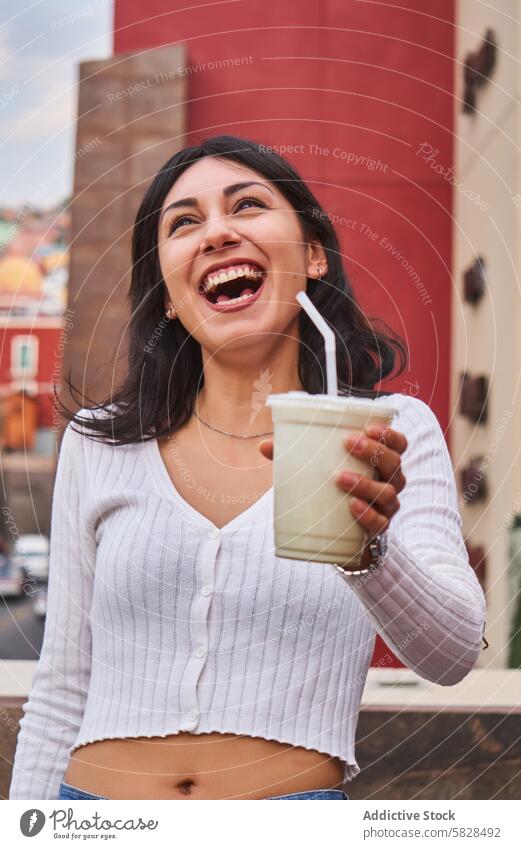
(219, 232)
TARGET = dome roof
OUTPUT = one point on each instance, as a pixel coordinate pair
(20, 275)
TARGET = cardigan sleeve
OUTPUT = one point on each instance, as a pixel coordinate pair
(53, 713)
(425, 599)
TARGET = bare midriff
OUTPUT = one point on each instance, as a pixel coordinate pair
(199, 766)
(213, 765)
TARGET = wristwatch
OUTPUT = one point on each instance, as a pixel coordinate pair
(377, 548)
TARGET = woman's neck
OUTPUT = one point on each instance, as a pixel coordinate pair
(240, 407)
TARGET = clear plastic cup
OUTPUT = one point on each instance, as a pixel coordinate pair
(312, 520)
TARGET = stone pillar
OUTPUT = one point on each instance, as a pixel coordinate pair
(131, 119)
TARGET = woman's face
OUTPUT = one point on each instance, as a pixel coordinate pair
(227, 216)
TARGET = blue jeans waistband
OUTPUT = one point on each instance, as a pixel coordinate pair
(67, 791)
(313, 794)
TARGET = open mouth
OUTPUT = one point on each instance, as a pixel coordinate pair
(235, 286)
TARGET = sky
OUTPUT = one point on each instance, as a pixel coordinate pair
(42, 43)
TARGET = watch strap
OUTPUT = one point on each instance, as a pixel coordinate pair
(378, 548)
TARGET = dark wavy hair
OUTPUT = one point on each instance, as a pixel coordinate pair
(162, 379)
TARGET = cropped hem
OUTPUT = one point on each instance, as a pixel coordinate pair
(351, 768)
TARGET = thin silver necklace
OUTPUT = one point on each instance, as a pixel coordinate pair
(235, 435)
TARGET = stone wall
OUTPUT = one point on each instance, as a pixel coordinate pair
(131, 119)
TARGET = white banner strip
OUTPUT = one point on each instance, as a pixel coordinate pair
(432, 824)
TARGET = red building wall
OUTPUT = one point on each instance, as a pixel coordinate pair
(49, 362)
(363, 91)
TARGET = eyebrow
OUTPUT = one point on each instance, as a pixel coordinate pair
(227, 191)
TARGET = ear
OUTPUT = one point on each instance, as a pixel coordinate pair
(316, 260)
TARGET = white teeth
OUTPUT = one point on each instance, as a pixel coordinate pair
(235, 300)
(214, 280)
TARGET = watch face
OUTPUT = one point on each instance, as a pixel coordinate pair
(378, 546)
(382, 543)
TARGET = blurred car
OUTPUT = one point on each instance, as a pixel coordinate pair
(12, 577)
(40, 601)
(31, 553)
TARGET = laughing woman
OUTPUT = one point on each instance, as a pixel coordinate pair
(181, 658)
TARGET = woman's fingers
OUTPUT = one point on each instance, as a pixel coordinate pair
(375, 502)
(385, 459)
(392, 438)
(380, 495)
(266, 448)
(370, 519)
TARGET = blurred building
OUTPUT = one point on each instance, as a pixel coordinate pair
(280, 76)
(33, 320)
(33, 298)
(404, 120)
(486, 308)
(401, 129)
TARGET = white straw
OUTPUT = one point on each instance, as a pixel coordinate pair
(329, 340)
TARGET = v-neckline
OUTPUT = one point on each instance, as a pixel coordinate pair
(168, 489)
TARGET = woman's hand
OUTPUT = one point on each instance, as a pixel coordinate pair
(374, 502)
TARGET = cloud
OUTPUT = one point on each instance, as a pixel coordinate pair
(53, 111)
(41, 45)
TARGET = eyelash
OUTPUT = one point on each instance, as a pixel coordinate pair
(172, 227)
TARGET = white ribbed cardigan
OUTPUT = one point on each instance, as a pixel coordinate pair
(158, 622)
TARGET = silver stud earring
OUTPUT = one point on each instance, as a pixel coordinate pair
(168, 313)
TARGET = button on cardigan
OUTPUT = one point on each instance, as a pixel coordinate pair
(159, 622)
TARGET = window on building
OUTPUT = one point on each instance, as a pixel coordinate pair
(24, 356)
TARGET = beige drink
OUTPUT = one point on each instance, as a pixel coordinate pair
(311, 512)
